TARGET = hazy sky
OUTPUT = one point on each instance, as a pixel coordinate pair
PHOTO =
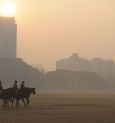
(49, 30)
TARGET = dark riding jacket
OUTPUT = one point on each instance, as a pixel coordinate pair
(15, 87)
(1, 88)
(22, 86)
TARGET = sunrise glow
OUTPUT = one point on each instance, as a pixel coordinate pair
(8, 8)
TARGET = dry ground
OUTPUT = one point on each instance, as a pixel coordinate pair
(64, 108)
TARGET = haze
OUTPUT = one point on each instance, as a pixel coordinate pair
(49, 30)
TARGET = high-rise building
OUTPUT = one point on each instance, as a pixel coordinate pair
(8, 37)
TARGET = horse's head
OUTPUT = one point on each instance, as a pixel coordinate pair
(33, 91)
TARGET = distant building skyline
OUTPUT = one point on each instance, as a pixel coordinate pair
(8, 37)
(39, 67)
(97, 65)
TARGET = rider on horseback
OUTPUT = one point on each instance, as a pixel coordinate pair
(22, 86)
(15, 86)
(1, 88)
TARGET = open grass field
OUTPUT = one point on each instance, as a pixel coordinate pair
(64, 108)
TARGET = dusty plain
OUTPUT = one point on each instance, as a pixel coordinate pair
(74, 107)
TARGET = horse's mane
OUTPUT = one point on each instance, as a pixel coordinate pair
(29, 88)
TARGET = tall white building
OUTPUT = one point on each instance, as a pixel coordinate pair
(8, 37)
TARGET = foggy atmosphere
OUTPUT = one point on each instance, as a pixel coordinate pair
(57, 61)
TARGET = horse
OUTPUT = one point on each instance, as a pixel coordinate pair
(23, 94)
(6, 95)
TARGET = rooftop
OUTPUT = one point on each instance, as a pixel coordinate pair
(7, 19)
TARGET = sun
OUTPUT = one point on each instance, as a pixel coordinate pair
(8, 8)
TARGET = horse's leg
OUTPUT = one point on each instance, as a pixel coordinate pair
(7, 103)
(12, 101)
(17, 102)
(27, 100)
(23, 102)
(4, 103)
